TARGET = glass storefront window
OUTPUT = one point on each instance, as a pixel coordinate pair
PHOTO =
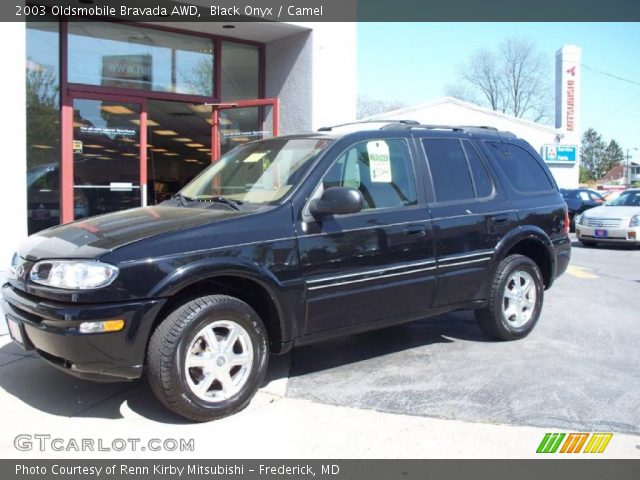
(125, 56)
(106, 156)
(43, 125)
(240, 71)
(179, 146)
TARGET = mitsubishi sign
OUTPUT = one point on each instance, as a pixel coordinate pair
(560, 153)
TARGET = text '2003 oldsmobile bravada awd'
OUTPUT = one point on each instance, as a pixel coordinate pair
(288, 241)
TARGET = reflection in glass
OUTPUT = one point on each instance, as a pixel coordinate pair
(123, 56)
(240, 71)
(106, 156)
(242, 125)
(43, 125)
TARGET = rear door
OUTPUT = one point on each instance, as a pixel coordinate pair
(377, 264)
(470, 215)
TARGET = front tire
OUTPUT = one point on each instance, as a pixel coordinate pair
(515, 299)
(208, 358)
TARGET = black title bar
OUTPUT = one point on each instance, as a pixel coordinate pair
(325, 10)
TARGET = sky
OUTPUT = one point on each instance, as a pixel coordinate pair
(414, 62)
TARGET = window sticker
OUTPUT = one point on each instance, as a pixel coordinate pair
(379, 161)
(254, 157)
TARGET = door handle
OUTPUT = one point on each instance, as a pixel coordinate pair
(500, 219)
(416, 230)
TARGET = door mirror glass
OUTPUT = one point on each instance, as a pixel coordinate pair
(337, 201)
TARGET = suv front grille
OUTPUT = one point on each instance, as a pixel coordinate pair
(603, 222)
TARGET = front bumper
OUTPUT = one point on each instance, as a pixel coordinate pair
(626, 235)
(51, 330)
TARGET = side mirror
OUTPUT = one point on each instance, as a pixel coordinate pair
(337, 201)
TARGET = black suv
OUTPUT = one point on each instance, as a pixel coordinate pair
(288, 241)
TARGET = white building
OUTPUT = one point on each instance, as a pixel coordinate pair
(558, 146)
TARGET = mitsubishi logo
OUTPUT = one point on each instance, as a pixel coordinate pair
(572, 71)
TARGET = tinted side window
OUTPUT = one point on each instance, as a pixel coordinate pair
(481, 179)
(449, 170)
(381, 169)
(520, 167)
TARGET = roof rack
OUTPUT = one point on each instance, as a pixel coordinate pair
(454, 128)
(411, 124)
(391, 124)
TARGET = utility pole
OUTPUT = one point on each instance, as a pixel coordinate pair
(627, 177)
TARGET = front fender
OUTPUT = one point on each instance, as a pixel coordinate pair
(207, 268)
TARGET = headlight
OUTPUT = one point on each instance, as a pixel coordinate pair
(73, 274)
(635, 221)
(578, 219)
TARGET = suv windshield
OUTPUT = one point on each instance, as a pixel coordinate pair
(627, 199)
(260, 172)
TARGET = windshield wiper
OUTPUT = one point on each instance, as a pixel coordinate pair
(235, 204)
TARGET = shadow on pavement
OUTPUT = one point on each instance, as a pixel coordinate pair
(43, 387)
(378, 343)
(603, 246)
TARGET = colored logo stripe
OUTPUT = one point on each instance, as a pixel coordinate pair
(574, 443)
(597, 442)
(550, 443)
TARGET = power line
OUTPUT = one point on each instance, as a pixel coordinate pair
(617, 77)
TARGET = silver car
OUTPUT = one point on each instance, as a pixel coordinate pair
(617, 221)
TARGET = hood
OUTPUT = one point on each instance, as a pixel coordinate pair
(93, 237)
(606, 211)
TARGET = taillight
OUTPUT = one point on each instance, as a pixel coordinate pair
(566, 226)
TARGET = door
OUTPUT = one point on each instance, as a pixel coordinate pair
(241, 122)
(106, 156)
(470, 216)
(377, 264)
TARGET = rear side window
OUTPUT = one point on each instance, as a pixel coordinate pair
(457, 170)
(521, 169)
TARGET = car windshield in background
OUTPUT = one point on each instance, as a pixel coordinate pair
(626, 199)
(260, 172)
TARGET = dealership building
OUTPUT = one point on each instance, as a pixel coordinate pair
(120, 115)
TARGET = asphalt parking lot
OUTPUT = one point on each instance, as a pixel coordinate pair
(440, 384)
(577, 370)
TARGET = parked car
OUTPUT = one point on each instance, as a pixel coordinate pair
(611, 195)
(617, 221)
(43, 193)
(580, 199)
(289, 241)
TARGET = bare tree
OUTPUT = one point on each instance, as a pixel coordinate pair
(514, 80)
(368, 107)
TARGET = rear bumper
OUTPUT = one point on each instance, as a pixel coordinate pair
(562, 249)
(51, 330)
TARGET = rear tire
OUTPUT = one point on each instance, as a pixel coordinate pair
(208, 358)
(515, 299)
(587, 243)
